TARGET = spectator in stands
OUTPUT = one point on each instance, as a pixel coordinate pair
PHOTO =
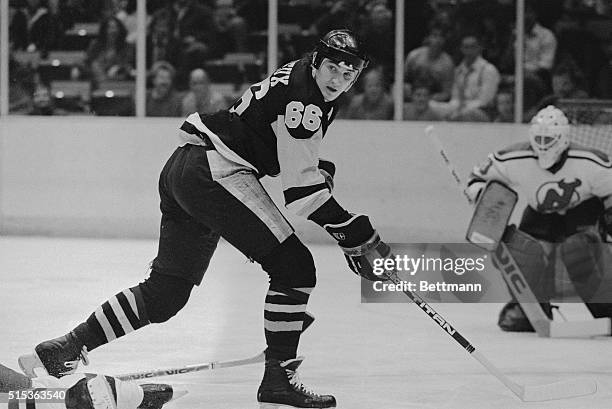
(431, 62)
(604, 74)
(163, 99)
(192, 31)
(44, 28)
(504, 106)
(378, 33)
(418, 109)
(474, 86)
(42, 101)
(230, 31)
(375, 102)
(336, 15)
(540, 46)
(18, 25)
(159, 40)
(110, 57)
(201, 98)
(21, 86)
(566, 84)
(125, 11)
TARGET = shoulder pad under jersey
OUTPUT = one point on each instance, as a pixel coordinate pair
(520, 150)
(578, 151)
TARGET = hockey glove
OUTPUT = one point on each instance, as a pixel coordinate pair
(328, 170)
(360, 244)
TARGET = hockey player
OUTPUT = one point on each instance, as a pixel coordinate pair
(81, 391)
(210, 188)
(568, 189)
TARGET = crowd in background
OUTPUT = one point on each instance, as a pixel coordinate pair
(459, 59)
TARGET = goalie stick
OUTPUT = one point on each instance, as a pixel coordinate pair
(179, 370)
(511, 273)
(527, 393)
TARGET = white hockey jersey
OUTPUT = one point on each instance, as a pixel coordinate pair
(580, 174)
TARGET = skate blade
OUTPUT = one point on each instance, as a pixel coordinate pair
(32, 366)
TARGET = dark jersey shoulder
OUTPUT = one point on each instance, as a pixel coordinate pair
(306, 112)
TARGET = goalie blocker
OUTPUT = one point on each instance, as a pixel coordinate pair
(511, 249)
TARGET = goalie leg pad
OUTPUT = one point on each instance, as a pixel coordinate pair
(535, 262)
(587, 260)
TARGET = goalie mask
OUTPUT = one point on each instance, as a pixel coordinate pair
(341, 47)
(549, 135)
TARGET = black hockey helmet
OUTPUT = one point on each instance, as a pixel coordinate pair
(340, 46)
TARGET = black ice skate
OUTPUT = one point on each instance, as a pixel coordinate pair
(56, 357)
(281, 388)
(513, 319)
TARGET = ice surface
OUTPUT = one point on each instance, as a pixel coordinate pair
(386, 356)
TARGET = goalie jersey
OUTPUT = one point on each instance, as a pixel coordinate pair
(579, 175)
(275, 128)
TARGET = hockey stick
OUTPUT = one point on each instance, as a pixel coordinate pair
(179, 370)
(527, 393)
(152, 373)
(536, 393)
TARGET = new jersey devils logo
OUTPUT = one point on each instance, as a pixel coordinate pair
(557, 196)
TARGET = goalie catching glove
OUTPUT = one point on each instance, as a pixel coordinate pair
(361, 245)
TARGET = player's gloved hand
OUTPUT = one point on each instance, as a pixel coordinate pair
(474, 190)
(328, 170)
(361, 245)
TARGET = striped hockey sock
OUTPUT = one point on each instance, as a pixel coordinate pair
(284, 314)
(121, 314)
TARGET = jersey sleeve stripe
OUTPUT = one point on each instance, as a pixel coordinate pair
(506, 156)
(296, 193)
(306, 205)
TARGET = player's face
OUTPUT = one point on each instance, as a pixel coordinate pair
(334, 79)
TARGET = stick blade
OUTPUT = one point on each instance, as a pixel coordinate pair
(559, 390)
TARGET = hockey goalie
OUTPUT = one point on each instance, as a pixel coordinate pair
(81, 391)
(568, 191)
